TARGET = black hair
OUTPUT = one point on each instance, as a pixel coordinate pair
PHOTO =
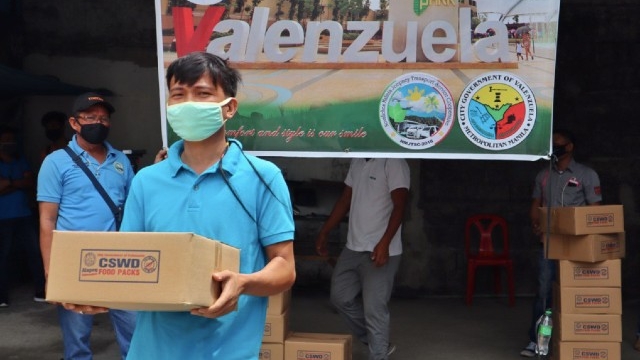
(56, 116)
(566, 134)
(189, 68)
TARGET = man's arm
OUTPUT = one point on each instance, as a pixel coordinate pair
(399, 198)
(591, 187)
(6, 186)
(11, 185)
(48, 219)
(277, 276)
(26, 182)
(534, 214)
(340, 209)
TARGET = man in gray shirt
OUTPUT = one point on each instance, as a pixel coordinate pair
(568, 183)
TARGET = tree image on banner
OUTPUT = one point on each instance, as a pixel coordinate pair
(397, 113)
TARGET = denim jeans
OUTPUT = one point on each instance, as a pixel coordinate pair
(546, 277)
(76, 331)
(368, 319)
(22, 232)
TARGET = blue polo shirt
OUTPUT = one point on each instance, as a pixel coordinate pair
(81, 207)
(16, 203)
(170, 197)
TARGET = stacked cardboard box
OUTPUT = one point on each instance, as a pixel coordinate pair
(303, 346)
(588, 243)
(278, 343)
(276, 327)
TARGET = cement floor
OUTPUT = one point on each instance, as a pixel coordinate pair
(423, 328)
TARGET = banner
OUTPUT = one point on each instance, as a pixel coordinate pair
(365, 78)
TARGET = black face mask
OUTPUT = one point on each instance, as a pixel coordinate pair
(94, 133)
(559, 150)
(54, 134)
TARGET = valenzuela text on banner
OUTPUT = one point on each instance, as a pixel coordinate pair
(416, 79)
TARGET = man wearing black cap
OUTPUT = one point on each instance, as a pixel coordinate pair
(68, 200)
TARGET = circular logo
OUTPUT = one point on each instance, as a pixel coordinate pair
(416, 111)
(577, 353)
(90, 259)
(149, 264)
(119, 167)
(497, 111)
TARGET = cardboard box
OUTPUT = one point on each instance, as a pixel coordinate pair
(589, 248)
(304, 346)
(565, 350)
(279, 303)
(587, 327)
(271, 351)
(606, 273)
(583, 220)
(276, 328)
(137, 271)
(587, 300)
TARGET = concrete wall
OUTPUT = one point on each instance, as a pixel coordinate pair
(112, 45)
(136, 122)
(108, 45)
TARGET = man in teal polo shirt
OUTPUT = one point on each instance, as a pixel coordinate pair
(68, 200)
(209, 186)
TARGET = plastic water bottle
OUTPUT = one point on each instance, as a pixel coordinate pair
(544, 326)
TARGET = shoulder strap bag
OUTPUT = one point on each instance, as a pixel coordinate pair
(116, 210)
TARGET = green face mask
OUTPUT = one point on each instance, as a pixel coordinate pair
(196, 121)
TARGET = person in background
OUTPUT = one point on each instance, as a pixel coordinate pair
(637, 343)
(53, 123)
(375, 195)
(519, 50)
(526, 45)
(568, 183)
(68, 200)
(17, 224)
(215, 190)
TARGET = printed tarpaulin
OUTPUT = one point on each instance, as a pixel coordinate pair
(419, 79)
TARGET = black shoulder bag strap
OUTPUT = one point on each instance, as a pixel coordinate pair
(117, 211)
